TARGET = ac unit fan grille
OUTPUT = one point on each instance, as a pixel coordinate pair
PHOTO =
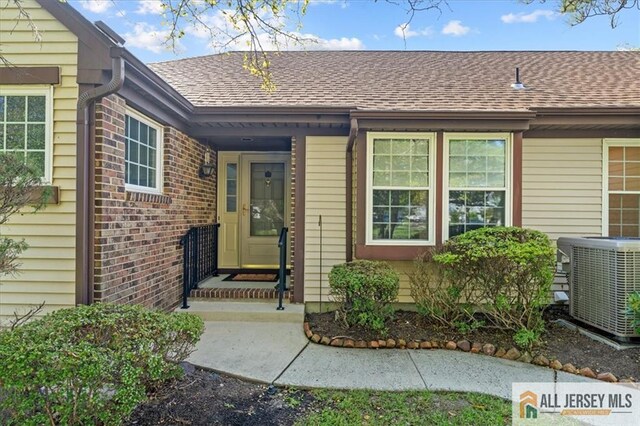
(601, 281)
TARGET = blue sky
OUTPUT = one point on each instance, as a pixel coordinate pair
(363, 24)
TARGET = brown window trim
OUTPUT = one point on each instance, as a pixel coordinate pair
(516, 196)
(380, 252)
(410, 252)
(30, 75)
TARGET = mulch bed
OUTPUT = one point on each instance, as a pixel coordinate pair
(558, 342)
(206, 398)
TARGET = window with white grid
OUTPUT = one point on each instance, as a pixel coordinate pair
(25, 126)
(623, 190)
(143, 153)
(400, 195)
(477, 182)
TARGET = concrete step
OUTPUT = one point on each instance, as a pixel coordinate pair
(229, 310)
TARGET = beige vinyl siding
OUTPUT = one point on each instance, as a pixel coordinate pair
(325, 192)
(404, 268)
(48, 266)
(562, 186)
(562, 189)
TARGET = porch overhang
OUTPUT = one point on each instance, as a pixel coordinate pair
(264, 128)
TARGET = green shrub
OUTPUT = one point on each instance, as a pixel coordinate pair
(504, 272)
(436, 298)
(90, 364)
(633, 304)
(365, 290)
(468, 326)
(526, 338)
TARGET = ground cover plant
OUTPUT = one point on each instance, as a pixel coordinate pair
(407, 408)
(90, 364)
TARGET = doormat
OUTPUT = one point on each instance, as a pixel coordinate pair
(264, 278)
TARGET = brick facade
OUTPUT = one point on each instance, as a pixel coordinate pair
(138, 258)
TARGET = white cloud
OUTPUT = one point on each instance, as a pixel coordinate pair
(405, 31)
(149, 7)
(528, 18)
(305, 42)
(96, 6)
(146, 36)
(343, 3)
(343, 43)
(223, 36)
(455, 28)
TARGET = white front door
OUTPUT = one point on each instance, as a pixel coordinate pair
(254, 204)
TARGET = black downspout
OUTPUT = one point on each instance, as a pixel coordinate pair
(86, 100)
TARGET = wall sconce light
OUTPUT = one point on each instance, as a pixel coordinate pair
(207, 168)
(267, 178)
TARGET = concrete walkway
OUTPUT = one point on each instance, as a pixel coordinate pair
(280, 354)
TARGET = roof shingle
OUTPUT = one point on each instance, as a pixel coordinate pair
(413, 80)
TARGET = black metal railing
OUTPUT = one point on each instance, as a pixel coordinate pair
(282, 244)
(200, 257)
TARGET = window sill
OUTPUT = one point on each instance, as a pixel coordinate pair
(148, 197)
(389, 252)
(53, 194)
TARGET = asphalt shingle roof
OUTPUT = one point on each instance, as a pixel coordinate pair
(413, 80)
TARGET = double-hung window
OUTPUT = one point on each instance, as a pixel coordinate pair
(25, 127)
(400, 195)
(477, 182)
(622, 195)
(143, 153)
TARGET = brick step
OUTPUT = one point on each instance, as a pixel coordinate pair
(238, 293)
(231, 310)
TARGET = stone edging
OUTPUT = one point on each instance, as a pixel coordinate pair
(488, 349)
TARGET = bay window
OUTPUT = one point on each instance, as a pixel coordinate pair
(401, 188)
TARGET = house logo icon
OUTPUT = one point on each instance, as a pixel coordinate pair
(528, 405)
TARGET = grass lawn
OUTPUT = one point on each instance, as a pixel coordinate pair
(206, 398)
(406, 408)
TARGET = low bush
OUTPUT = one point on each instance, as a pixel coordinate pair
(436, 297)
(90, 364)
(365, 290)
(633, 304)
(506, 273)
